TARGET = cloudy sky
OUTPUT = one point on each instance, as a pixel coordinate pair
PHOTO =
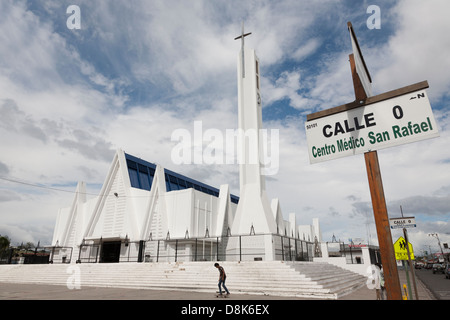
(138, 70)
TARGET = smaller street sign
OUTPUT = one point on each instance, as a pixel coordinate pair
(400, 223)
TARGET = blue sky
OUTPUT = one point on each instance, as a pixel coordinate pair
(136, 71)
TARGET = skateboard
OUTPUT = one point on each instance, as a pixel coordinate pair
(218, 295)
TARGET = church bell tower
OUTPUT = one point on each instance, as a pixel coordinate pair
(253, 214)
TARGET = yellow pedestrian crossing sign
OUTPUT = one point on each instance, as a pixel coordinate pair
(401, 252)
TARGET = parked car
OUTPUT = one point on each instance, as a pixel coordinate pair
(447, 271)
(437, 267)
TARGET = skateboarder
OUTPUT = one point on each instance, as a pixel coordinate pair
(222, 278)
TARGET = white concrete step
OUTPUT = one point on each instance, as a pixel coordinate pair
(310, 279)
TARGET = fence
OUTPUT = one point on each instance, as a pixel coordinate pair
(224, 248)
(25, 255)
(352, 253)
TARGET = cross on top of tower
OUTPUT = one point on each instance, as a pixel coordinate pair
(242, 36)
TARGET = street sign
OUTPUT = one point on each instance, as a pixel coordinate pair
(394, 118)
(400, 223)
(401, 252)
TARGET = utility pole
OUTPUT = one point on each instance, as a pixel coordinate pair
(439, 242)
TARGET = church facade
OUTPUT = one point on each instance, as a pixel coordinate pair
(145, 212)
(141, 201)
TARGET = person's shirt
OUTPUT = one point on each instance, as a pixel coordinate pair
(222, 275)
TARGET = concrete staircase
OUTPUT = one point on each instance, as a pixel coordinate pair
(274, 278)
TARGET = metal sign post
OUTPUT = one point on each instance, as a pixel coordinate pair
(405, 233)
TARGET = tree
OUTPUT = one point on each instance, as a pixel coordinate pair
(4, 242)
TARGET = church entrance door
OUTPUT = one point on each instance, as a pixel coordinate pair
(111, 251)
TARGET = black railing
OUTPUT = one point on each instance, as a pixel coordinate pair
(28, 255)
(224, 248)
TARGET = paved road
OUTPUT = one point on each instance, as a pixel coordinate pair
(436, 283)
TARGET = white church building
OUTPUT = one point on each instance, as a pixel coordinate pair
(145, 212)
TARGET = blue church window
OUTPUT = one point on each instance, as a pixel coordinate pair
(182, 183)
(167, 183)
(145, 183)
(173, 183)
(142, 174)
(132, 172)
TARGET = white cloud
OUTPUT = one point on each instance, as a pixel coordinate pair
(285, 87)
(307, 49)
(419, 49)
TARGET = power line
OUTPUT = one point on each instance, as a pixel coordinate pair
(68, 191)
(44, 187)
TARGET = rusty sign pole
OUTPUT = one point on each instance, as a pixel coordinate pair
(390, 271)
(392, 282)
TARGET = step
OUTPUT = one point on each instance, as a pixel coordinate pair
(299, 279)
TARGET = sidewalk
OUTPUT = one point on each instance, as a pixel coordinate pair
(367, 294)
